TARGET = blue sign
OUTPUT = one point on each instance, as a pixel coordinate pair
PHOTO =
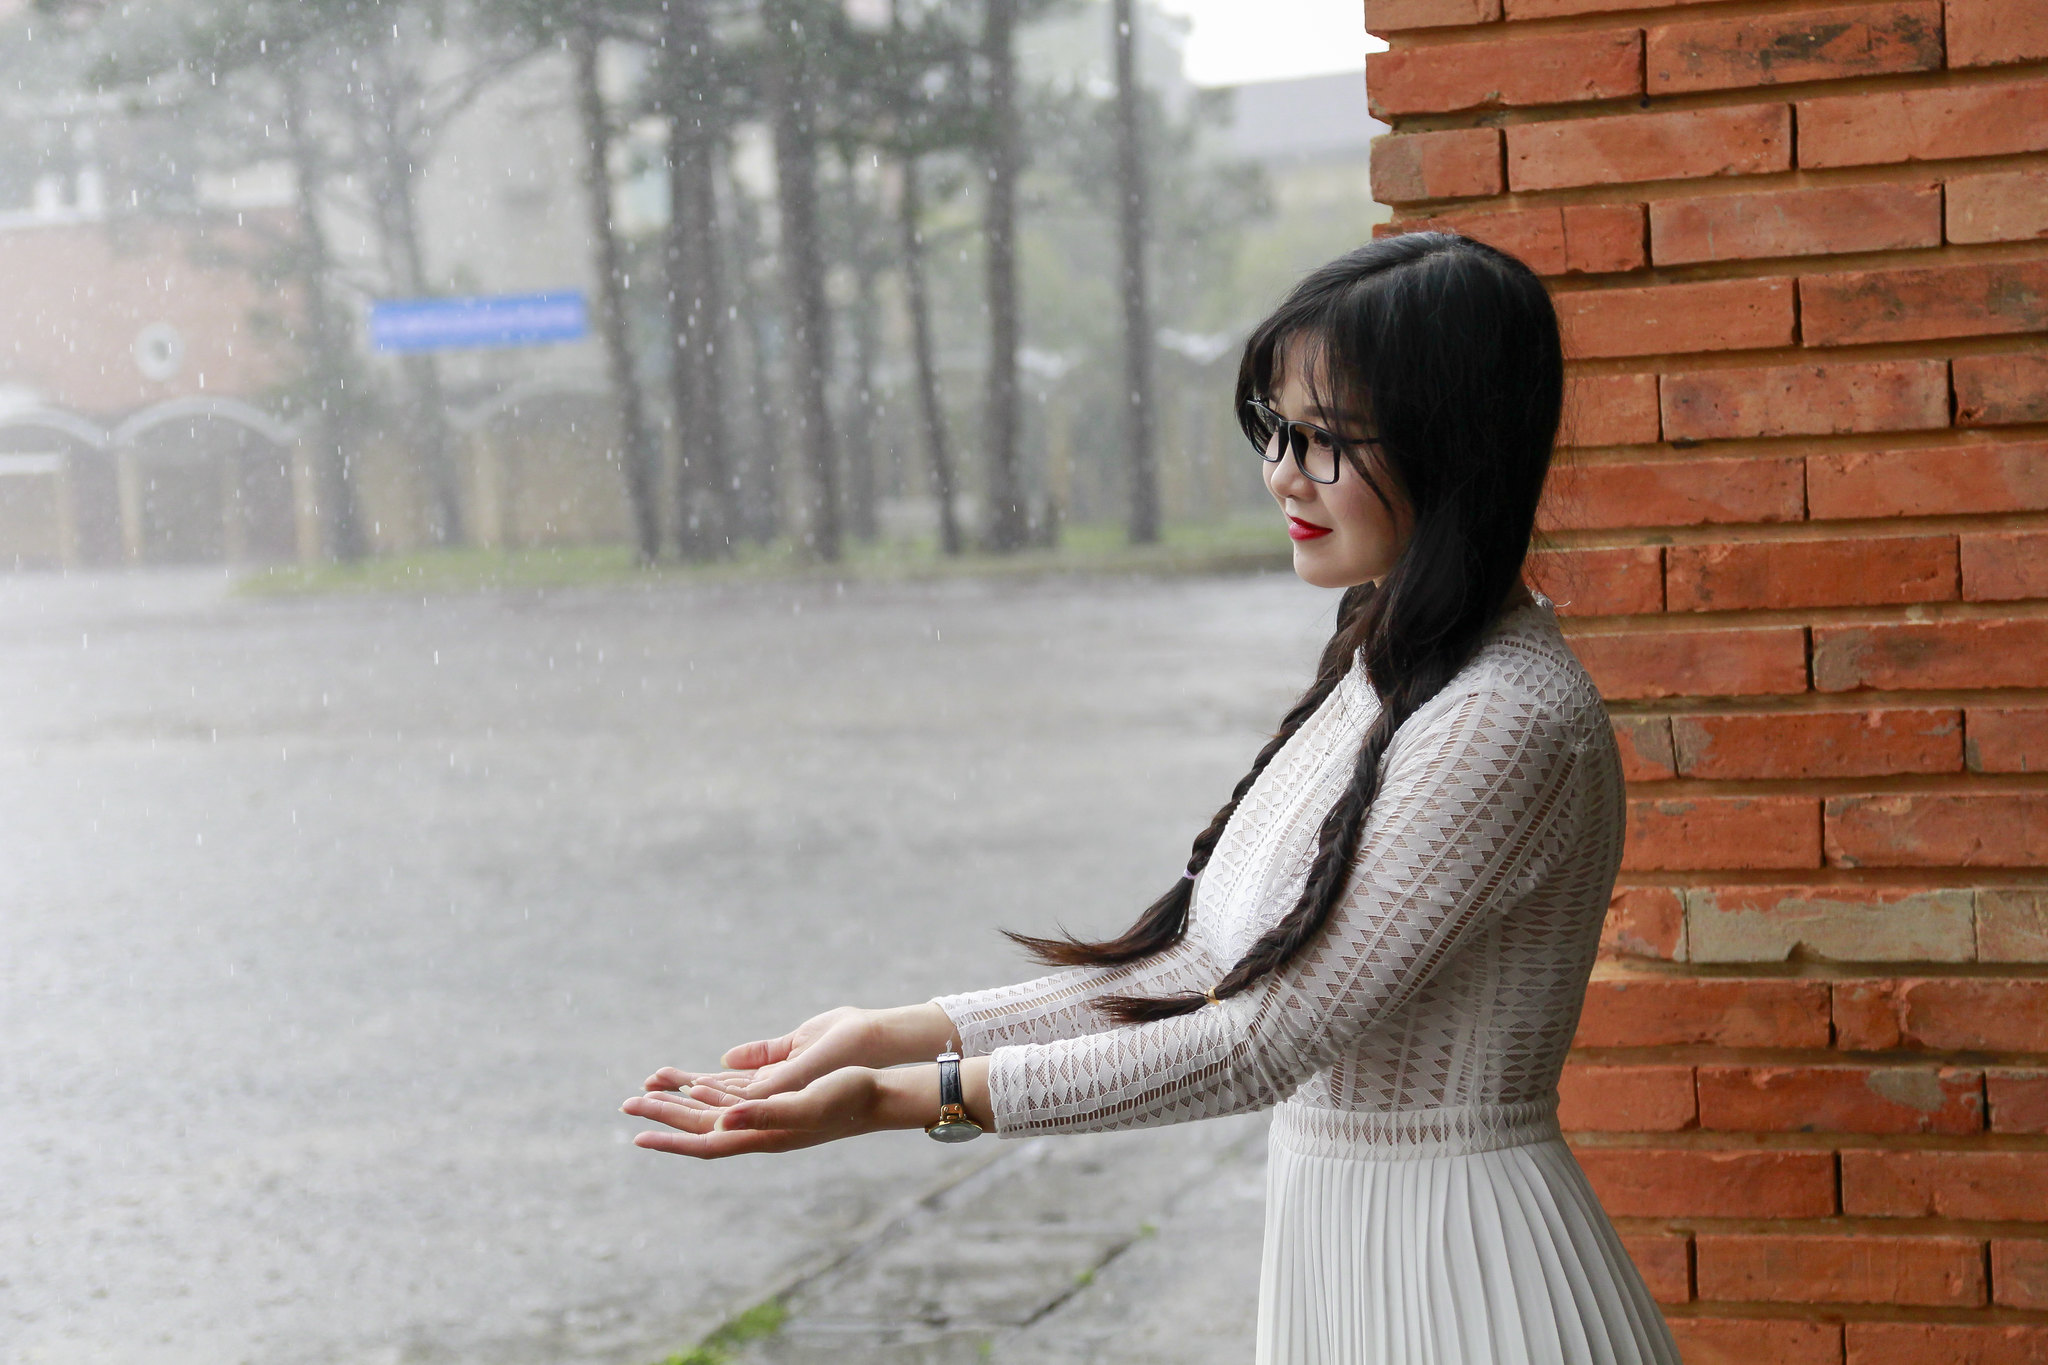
(485, 320)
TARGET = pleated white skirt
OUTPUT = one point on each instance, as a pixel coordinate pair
(1443, 1237)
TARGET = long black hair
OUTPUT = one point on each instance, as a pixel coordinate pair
(1452, 349)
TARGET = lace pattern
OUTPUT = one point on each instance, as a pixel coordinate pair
(1448, 981)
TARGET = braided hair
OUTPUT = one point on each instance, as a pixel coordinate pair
(1453, 348)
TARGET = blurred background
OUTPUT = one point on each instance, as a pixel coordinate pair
(509, 519)
(635, 280)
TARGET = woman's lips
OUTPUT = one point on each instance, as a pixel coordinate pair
(1297, 529)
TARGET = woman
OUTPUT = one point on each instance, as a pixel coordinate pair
(1387, 931)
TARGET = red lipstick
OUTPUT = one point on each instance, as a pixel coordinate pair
(1297, 529)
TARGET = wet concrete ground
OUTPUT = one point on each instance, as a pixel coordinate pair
(333, 931)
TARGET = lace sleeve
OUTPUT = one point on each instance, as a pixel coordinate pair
(1055, 1007)
(1471, 808)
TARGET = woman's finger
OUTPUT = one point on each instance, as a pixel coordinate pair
(690, 1118)
(713, 1095)
(753, 1056)
(710, 1146)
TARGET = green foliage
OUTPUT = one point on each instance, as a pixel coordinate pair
(761, 1321)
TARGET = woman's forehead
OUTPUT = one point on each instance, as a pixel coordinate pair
(1302, 361)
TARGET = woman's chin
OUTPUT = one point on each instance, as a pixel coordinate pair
(1320, 570)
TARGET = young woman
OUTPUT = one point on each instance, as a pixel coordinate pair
(1385, 934)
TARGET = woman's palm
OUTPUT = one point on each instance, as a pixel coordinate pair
(817, 1047)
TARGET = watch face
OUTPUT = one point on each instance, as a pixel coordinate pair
(954, 1130)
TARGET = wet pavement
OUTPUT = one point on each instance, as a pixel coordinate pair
(332, 932)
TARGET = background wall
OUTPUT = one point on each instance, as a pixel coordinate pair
(1800, 255)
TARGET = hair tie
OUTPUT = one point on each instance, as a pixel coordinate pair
(1210, 994)
(1187, 876)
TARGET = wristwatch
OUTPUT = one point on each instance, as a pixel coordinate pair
(952, 1124)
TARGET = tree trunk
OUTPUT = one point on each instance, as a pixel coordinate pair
(1008, 526)
(860, 413)
(327, 349)
(1130, 168)
(707, 512)
(909, 212)
(637, 447)
(759, 472)
(796, 167)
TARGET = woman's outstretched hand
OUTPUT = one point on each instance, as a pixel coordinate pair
(821, 1045)
(708, 1121)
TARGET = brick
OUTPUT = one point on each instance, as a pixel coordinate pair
(1753, 1341)
(1925, 830)
(1987, 1185)
(1610, 410)
(1685, 492)
(1552, 9)
(1645, 744)
(1561, 68)
(1942, 481)
(1686, 144)
(1664, 1260)
(1810, 573)
(1809, 744)
(1943, 1272)
(1805, 400)
(1392, 16)
(1649, 1182)
(1605, 238)
(1892, 126)
(1644, 921)
(1810, 45)
(1980, 298)
(1696, 663)
(1716, 315)
(1931, 654)
(2001, 739)
(1612, 582)
(1993, 32)
(1841, 924)
(1942, 1014)
(1722, 832)
(2012, 924)
(1674, 1011)
(2017, 1099)
(1625, 1099)
(1457, 164)
(2004, 566)
(1999, 206)
(1944, 1343)
(1841, 1099)
(2019, 1272)
(1805, 222)
(2001, 390)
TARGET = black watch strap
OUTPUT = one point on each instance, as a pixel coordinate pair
(949, 1081)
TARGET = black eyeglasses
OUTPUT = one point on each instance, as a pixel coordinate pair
(1318, 453)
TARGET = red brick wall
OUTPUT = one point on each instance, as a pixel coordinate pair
(1801, 252)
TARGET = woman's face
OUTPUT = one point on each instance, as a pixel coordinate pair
(1343, 534)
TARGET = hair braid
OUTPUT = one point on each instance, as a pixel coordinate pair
(1451, 350)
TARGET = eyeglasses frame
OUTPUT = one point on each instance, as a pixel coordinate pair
(1286, 427)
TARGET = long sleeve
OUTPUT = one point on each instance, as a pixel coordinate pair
(1056, 1006)
(1477, 795)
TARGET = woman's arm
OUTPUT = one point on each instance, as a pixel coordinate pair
(1472, 810)
(1044, 1010)
(1053, 1007)
(1474, 805)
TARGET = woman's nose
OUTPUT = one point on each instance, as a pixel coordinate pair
(1285, 479)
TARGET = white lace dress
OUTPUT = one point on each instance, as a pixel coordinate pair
(1421, 1206)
